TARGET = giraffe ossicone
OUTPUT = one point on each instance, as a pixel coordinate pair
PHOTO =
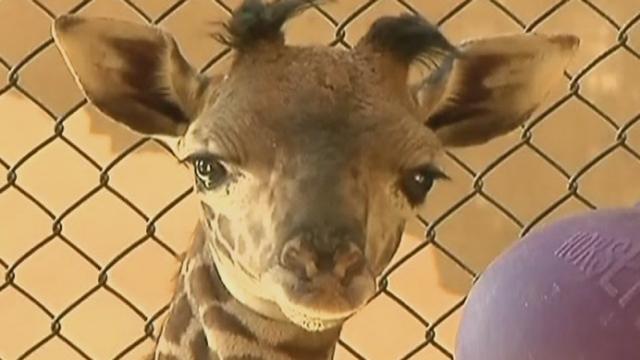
(308, 160)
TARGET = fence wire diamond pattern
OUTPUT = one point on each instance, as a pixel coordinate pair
(619, 139)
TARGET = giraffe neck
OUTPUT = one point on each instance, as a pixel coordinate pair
(205, 321)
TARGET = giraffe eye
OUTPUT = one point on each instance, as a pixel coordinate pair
(209, 172)
(417, 182)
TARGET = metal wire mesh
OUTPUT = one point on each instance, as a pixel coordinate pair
(621, 129)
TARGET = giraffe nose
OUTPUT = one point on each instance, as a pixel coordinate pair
(307, 262)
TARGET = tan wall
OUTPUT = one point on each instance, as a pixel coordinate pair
(49, 277)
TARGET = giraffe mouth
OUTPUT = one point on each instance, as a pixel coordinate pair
(323, 302)
(309, 322)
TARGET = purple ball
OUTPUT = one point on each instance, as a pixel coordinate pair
(570, 291)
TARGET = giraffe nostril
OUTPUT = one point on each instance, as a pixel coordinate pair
(299, 260)
(307, 262)
(310, 269)
(348, 262)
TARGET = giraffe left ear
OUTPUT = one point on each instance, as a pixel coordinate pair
(133, 73)
(492, 86)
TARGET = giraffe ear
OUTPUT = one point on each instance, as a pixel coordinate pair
(492, 86)
(133, 73)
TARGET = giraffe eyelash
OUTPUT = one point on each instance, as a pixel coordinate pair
(202, 156)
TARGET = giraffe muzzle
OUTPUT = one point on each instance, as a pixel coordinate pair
(308, 263)
(322, 286)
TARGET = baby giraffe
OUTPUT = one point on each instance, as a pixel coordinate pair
(307, 161)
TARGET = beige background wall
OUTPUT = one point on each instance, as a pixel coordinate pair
(86, 288)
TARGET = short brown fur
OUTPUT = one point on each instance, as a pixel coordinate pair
(308, 161)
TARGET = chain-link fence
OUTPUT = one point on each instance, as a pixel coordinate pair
(86, 259)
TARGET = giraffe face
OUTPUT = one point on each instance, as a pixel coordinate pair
(309, 160)
(305, 193)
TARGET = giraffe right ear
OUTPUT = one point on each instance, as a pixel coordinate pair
(492, 86)
(133, 73)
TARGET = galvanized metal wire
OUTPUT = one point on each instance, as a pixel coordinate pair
(431, 326)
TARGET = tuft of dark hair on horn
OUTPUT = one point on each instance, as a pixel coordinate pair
(255, 21)
(409, 37)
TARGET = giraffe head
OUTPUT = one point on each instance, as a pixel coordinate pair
(308, 161)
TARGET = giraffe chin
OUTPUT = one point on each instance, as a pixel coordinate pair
(323, 302)
(310, 323)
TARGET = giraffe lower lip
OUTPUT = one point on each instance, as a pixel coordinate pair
(311, 323)
(321, 302)
(321, 307)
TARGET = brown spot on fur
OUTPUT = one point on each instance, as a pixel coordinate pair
(318, 346)
(200, 348)
(206, 285)
(224, 226)
(222, 249)
(209, 214)
(178, 320)
(198, 243)
(296, 351)
(217, 318)
(208, 210)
